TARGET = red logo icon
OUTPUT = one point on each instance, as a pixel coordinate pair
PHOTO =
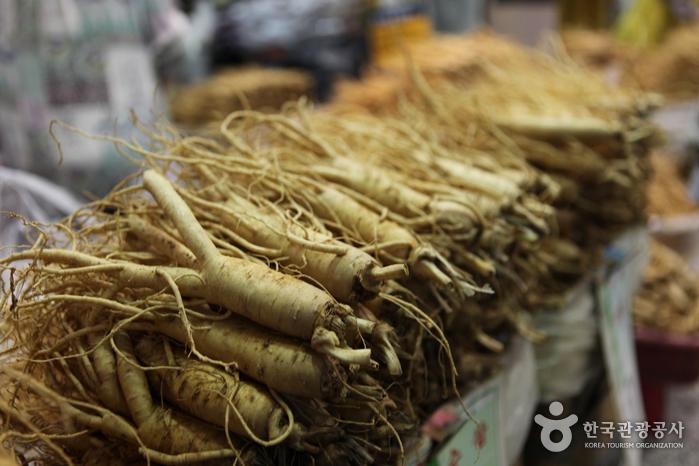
(454, 457)
(479, 438)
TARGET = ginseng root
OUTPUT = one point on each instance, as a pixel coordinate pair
(347, 273)
(296, 308)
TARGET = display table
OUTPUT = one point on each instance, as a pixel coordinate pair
(592, 335)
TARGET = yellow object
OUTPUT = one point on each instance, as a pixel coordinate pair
(645, 24)
(385, 36)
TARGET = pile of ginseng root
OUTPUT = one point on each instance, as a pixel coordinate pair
(560, 133)
(669, 297)
(239, 304)
(671, 68)
(232, 89)
(307, 287)
(595, 49)
(667, 188)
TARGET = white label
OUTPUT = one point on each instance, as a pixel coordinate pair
(616, 327)
(130, 79)
(482, 442)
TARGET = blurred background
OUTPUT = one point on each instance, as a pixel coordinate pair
(90, 64)
(98, 66)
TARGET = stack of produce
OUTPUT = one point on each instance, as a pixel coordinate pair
(667, 190)
(477, 220)
(594, 48)
(669, 298)
(671, 68)
(268, 355)
(254, 294)
(233, 89)
(312, 283)
(442, 58)
(531, 111)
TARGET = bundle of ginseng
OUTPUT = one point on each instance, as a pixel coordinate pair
(597, 156)
(669, 297)
(307, 165)
(264, 169)
(219, 317)
(671, 68)
(595, 49)
(667, 188)
(442, 58)
(231, 89)
(561, 122)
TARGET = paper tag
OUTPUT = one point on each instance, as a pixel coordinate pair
(130, 79)
(615, 297)
(484, 404)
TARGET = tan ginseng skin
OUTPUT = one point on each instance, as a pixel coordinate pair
(368, 224)
(379, 185)
(349, 274)
(280, 362)
(398, 243)
(161, 429)
(203, 390)
(340, 275)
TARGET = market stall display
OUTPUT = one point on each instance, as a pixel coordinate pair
(561, 133)
(324, 278)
